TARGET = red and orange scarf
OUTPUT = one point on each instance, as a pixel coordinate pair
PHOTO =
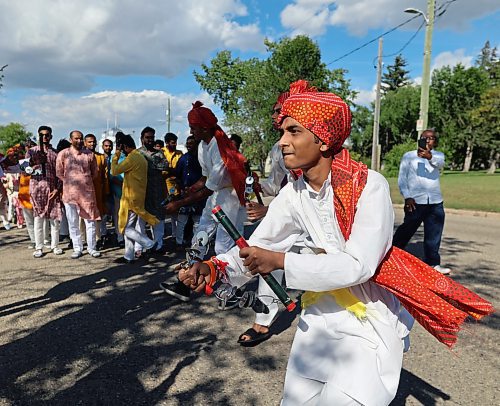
(437, 302)
(233, 160)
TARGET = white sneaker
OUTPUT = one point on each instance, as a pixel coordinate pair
(95, 254)
(38, 254)
(7, 226)
(440, 269)
(76, 255)
(57, 251)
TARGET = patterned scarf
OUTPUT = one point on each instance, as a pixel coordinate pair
(437, 302)
(233, 160)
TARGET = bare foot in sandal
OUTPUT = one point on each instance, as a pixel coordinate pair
(254, 335)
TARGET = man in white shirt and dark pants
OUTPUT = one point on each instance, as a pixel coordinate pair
(419, 184)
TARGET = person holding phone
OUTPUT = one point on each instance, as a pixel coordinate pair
(418, 182)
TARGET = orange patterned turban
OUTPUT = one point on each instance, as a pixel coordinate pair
(201, 116)
(326, 115)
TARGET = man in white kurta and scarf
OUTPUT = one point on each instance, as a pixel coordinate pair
(338, 357)
(222, 183)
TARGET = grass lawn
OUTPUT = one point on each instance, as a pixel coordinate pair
(470, 191)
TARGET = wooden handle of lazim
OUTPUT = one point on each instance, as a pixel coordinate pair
(241, 243)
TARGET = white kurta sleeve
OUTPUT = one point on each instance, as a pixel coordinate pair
(370, 239)
(272, 185)
(278, 231)
(218, 176)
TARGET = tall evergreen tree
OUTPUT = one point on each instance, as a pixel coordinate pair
(396, 75)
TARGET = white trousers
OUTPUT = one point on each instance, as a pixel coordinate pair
(38, 226)
(158, 232)
(74, 229)
(182, 220)
(64, 230)
(299, 391)
(228, 200)
(30, 223)
(133, 236)
(116, 209)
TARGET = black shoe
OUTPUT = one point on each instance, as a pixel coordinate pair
(99, 245)
(123, 260)
(177, 289)
(70, 245)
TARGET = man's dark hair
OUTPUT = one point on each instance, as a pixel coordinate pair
(128, 141)
(108, 140)
(90, 136)
(147, 130)
(191, 137)
(160, 143)
(170, 137)
(46, 128)
(237, 139)
(63, 144)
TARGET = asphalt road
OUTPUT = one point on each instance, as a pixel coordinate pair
(92, 332)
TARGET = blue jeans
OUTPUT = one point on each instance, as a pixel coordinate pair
(432, 215)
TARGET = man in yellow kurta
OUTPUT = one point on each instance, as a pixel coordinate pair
(135, 170)
(173, 189)
(101, 186)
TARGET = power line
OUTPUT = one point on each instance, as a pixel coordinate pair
(443, 7)
(373, 40)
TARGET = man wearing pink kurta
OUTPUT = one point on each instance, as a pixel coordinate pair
(76, 167)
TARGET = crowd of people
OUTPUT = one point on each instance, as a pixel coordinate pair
(328, 233)
(76, 194)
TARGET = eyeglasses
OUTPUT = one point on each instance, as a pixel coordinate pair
(428, 138)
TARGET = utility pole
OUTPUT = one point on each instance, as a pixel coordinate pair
(426, 71)
(376, 114)
(168, 115)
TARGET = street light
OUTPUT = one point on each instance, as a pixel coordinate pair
(426, 70)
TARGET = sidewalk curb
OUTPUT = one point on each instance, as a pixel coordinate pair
(459, 212)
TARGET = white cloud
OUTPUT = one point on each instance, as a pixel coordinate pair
(365, 97)
(91, 113)
(452, 58)
(62, 45)
(312, 17)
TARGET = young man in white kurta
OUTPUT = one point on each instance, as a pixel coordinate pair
(336, 357)
(224, 195)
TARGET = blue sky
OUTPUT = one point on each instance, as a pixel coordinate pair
(78, 65)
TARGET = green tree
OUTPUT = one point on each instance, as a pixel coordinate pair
(399, 111)
(362, 131)
(247, 90)
(455, 92)
(486, 121)
(12, 134)
(396, 75)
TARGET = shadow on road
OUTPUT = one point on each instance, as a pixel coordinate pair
(412, 385)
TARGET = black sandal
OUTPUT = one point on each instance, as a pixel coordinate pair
(255, 337)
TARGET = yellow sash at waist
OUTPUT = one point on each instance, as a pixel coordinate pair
(344, 298)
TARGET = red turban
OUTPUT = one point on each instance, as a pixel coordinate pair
(326, 115)
(201, 116)
(299, 86)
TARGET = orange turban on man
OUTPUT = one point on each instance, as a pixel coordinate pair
(201, 116)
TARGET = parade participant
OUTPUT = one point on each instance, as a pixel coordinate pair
(222, 183)
(77, 168)
(188, 172)
(135, 170)
(45, 190)
(349, 342)
(64, 229)
(115, 186)
(159, 145)
(173, 189)
(278, 177)
(101, 187)
(155, 190)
